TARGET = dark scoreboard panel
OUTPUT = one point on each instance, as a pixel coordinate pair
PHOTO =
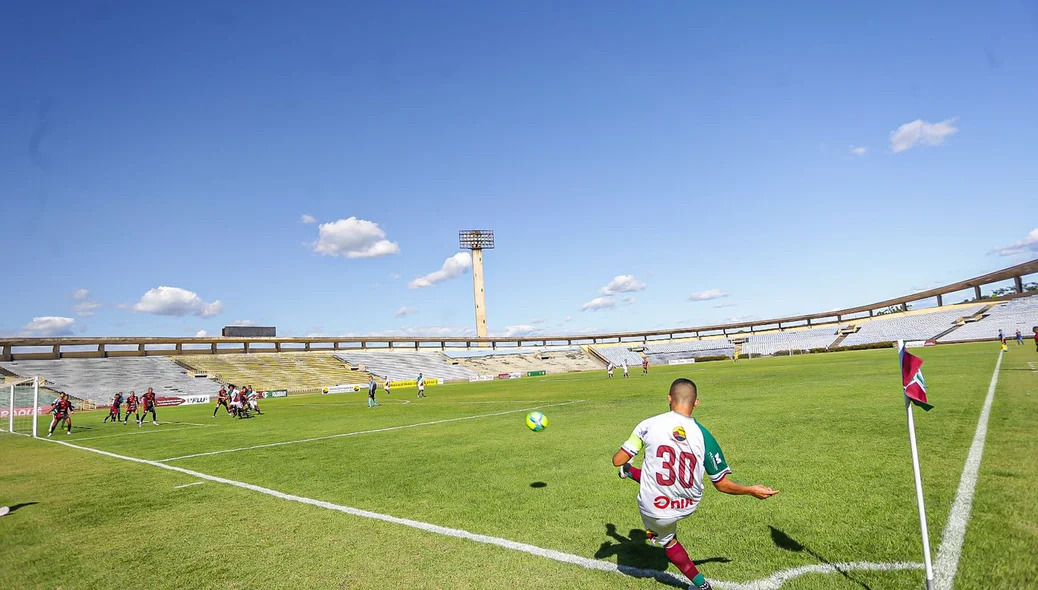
(250, 332)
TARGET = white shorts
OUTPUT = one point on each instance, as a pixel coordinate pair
(421, 390)
(660, 532)
(253, 403)
(235, 404)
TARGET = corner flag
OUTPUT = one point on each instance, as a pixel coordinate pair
(912, 378)
(915, 393)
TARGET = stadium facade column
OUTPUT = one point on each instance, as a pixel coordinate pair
(940, 300)
(7, 352)
(1018, 282)
(976, 291)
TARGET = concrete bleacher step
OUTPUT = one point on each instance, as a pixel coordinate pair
(839, 340)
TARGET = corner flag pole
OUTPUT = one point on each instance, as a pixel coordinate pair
(918, 487)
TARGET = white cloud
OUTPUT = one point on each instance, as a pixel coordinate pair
(242, 323)
(394, 275)
(538, 320)
(85, 309)
(627, 300)
(522, 330)
(720, 305)
(917, 132)
(201, 334)
(568, 319)
(431, 331)
(175, 301)
(80, 294)
(708, 295)
(859, 150)
(304, 218)
(598, 303)
(47, 326)
(623, 284)
(739, 319)
(452, 267)
(1028, 245)
(403, 312)
(353, 238)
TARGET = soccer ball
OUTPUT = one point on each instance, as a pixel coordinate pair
(536, 421)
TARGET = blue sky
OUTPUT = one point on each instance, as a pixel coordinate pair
(787, 155)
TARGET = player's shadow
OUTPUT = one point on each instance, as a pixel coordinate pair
(784, 541)
(634, 553)
(16, 507)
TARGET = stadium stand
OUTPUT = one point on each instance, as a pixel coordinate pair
(909, 326)
(96, 380)
(294, 371)
(770, 343)
(617, 355)
(407, 365)
(553, 361)
(1017, 314)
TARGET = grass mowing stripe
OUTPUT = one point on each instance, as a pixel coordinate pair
(955, 530)
(388, 429)
(772, 582)
(137, 432)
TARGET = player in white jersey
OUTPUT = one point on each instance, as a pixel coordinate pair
(421, 385)
(609, 369)
(624, 366)
(678, 451)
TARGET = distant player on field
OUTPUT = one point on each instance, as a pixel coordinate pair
(1019, 337)
(148, 401)
(678, 450)
(63, 410)
(1002, 340)
(623, 364)
(645, 366)
(609, 369)
(221, 400)
(131, 406)
(113, 410)
(386, 386)
(253, 399)
(421, 385)
(372, 388)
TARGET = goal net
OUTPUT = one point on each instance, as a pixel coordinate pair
(20, 405)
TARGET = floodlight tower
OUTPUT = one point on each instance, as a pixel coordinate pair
(478, 240)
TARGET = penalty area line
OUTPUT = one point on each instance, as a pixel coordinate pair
(149, 431)
(772, 582)
(388, 429)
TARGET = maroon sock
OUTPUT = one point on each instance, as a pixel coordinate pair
(636, 474)
(679, 557)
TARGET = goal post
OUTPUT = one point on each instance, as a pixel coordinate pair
(20, 405)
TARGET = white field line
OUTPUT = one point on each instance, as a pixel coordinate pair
(770, 583)
(955, 530)
(186, 485)
(138, 432)
(345, 434)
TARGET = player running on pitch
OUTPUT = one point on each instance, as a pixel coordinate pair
(131, 406)
(148, 401)
(63, 410)
(678, 450)
(386, 386)
(421, 385)
(113, 410)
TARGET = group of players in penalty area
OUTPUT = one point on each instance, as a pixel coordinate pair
(678, 451)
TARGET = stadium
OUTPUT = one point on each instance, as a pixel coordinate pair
(498, 295)
(299, 488)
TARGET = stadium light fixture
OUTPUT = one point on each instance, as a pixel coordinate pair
(476, 239)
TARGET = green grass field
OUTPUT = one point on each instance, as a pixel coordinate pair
(827, 430)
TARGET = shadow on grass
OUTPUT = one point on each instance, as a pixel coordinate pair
(635, 557)
(784, 541)
(17, 507)
(538, 484)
